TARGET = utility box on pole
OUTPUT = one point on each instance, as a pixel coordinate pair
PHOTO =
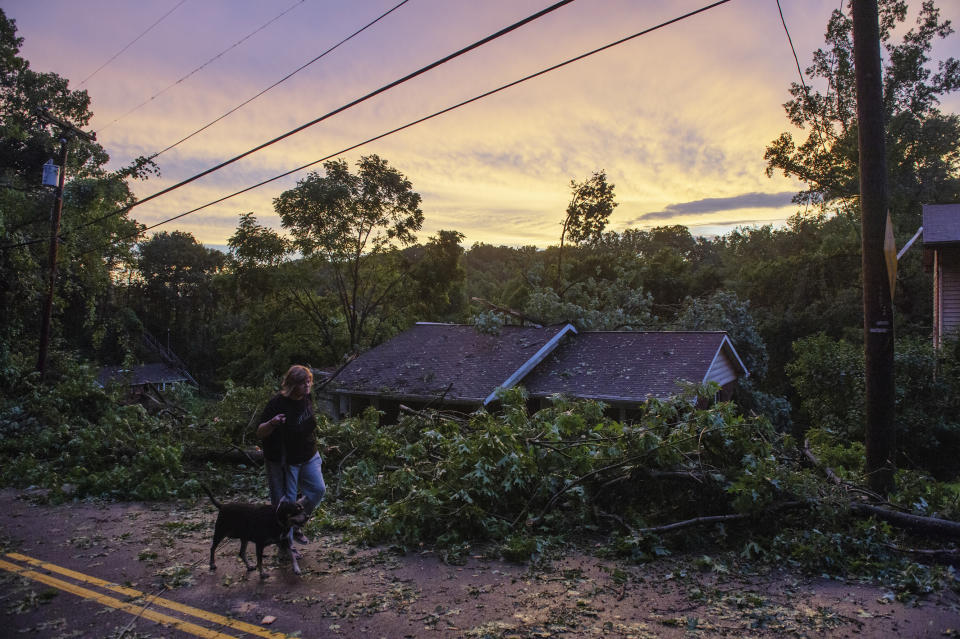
(51, 174)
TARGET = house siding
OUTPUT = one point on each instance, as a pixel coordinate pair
(722, 371)
(937, 314)
(949, 287)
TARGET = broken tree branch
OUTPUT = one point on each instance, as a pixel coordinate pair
(696, 521)
(930, 525)
(509, 311)
(939, 555)
(920, 523)
(834, 478)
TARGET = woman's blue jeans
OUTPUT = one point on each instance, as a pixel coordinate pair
(284, 481)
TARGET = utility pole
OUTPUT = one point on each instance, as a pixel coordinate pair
(66, 131)
(877, 293)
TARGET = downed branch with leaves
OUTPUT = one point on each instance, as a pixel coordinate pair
(884, 510)
(678, 478)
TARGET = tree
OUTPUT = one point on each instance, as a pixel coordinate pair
(799, 280)
(354, 225)
(256, 253)
(587, 216)
(92, 252)
(439, 278)
(253, 245)
(177, 296)
(922, 143)
(859, 160)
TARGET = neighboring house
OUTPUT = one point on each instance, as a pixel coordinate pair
(143, 377)
(941, 256)
(452, 366)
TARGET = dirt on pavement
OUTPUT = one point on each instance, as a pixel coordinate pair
(162, 551)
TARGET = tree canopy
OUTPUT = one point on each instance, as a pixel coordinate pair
(923, 144)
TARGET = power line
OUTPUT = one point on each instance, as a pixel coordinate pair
(820, 127)
(806, 90)
(424, 119)
(214, 58)
(349, 105)
(790, 40)
(386, 87)
(117, 54)
(281, 80)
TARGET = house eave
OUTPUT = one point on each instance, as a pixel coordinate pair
(610, 399)
(407, 397)
(730, 349)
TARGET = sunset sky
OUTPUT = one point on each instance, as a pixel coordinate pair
(679, 119)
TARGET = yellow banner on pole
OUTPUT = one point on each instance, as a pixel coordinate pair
(890, 254)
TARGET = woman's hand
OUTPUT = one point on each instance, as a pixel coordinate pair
(267, 427)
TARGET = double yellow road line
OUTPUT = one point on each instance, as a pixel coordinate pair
(137, 609)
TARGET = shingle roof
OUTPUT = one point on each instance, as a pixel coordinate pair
(461, 365)
(450, 360)
(629, 366)
(941, 224)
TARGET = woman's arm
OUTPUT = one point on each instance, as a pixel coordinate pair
(265, 429)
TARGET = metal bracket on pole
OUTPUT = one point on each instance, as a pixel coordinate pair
(65, 127)
(910, 243)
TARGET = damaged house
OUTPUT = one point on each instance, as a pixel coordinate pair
(455, 367)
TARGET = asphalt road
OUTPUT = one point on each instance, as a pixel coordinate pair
(133, 571)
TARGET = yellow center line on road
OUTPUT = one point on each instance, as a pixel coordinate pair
(104, 600)
(130, 592)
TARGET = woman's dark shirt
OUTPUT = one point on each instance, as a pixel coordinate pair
(297, 434)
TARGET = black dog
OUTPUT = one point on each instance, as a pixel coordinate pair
(263, 525)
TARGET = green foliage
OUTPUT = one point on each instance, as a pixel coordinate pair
(920, 494)
(504, 476)
(177, 297)
(844, 457)
(836, 550)
(349, 277)
(607, 302)
(922, 143)
(438, 278)
(530, 483)
(91, 253)
(74, 438)
(235, 414)
(488, 322)
(828, 376)
(724, 311)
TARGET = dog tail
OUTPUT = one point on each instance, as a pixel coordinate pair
(212, 498)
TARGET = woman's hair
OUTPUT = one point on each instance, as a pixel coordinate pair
(295, 376)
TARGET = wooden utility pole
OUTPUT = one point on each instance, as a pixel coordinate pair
(66, 131)
(877, 293)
